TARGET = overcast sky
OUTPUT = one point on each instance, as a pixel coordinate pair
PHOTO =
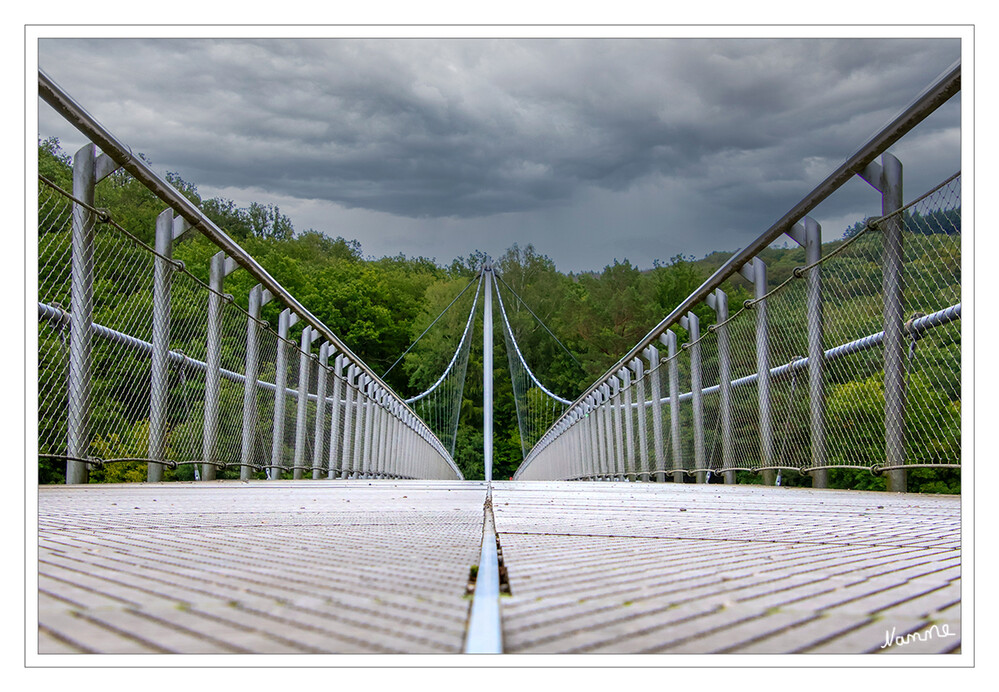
(590, 149)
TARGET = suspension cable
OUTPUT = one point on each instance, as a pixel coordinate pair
(464, 337)
(431, 325)
(520, 356)
(545, 326)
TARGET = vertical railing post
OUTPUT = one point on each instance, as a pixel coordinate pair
(756, 272)
(651, 354)
(221, 266)
(629, 429)
(212, 367)
(347, 452)
(809, 236)
(412, 445)
(589, 440)
(894, 325)
(369, 414)
(668, 339)
(81, 309)
(319, 434)
(610, 466)
(887, 179)
(285, 322)
(598, 419)
(336, 425)
(381, 465)
(301, 417)
(618, 437)
(159, 384)
(638, 368)
(259, 296)
(357, 438)
(579, 441)
(395, 439)
(719, 301)
(692, 324)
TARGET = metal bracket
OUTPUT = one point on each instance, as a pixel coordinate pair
(873, 175)
(180, 227)
(748, 270)
(637, 367)
(668, 339)
(104, 166)
(797, 234)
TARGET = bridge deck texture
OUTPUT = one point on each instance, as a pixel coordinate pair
(382, 567)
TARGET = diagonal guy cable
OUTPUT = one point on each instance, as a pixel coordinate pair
(431, 325)
(539, 320)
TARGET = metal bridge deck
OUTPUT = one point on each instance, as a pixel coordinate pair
(382, 567)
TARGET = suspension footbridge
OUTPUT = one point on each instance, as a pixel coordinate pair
(329, 514)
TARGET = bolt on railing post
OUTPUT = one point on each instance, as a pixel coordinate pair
(285, 321)
(719, 301)
(319, 435)
(81, 310)
(887, 179)
(692, 324)
(159, 385)
(668, 339)
(651, 354)
(259, 296)
(756, 272)
(213, 365)
(638, 368)
(301, 412)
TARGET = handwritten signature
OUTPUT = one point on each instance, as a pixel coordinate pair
(934, 631)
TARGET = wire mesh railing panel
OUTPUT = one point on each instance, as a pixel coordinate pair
(853, 309)
(54, 270)
(711, 403)
(745, 392)
(931, 284)
(688, 443)
(232, 384)
(120, 372)
(788, 346)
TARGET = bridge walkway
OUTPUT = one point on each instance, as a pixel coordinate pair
(379, 566)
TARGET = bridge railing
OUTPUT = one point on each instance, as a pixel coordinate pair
(148, 372)
(853, 361)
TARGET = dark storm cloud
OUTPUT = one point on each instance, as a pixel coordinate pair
(429, 129)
